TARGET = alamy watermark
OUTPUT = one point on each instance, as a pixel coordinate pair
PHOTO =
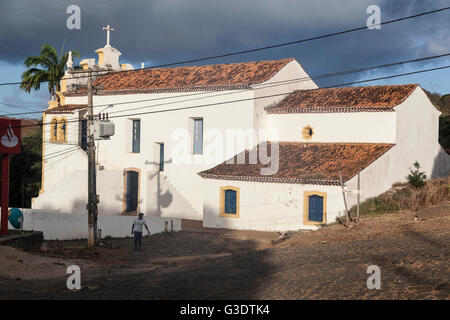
(374, 281)
(74, 19)
(229, 145)
(374, 20)
(74, 280)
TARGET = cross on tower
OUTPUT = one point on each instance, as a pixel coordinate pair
(108, 29)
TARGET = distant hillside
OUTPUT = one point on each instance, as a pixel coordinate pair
(444, 119)
(443, 106)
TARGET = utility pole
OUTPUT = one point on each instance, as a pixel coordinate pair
(358, 199)
(347, 215)
(92, 178)
(103, 131)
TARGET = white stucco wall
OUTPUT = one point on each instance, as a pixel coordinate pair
(175, 192)
(59, 157)
(69, 194)
(267, 206)
(62, 226)
(417, 126)
(336, 127)
(291, 77)
(179, 179)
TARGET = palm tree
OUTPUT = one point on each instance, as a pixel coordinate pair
(52, 69)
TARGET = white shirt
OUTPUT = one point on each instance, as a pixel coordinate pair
(139, 224)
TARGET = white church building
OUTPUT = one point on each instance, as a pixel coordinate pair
(251, 145)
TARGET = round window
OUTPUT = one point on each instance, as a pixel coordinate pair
(307, 132)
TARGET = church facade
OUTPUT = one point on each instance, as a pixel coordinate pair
(252, 145)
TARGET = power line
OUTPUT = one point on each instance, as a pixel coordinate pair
(76, 146)
(34, 6)
(62, 151)
(254, 98)
(304, 40)
(15, 106)
(71, 150)
(258, 87)
(22, 113)
(283, 82)
(284, 93)
(261, 48)
(55, 3)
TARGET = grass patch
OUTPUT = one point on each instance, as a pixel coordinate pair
(405, 197)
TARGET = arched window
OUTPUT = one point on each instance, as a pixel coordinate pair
(62, 130)
(307, 132)
(54, 129)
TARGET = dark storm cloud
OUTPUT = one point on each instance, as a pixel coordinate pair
(164, 31)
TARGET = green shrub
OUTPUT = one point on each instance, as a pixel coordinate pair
(416, 178)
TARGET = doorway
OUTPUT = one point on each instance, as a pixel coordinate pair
(131, 191)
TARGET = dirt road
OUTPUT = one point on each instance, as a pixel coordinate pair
(411, 249)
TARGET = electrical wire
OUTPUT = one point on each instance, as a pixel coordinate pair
(259, 87)
(265, 47)
(253, 98)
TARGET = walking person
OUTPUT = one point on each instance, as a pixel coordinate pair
(136, 230)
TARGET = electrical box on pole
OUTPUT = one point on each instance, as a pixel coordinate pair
(102, 129)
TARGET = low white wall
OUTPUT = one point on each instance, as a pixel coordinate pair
(267, 206)
(71, 226)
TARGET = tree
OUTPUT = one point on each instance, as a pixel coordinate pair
(444, 97)
(416, 178)
(444, 131)
(52, 69)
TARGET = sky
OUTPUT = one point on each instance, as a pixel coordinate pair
(165, 31)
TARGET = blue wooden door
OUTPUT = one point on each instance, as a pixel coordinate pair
(132, 190)
(315, 208)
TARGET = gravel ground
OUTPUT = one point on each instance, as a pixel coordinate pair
(411, 249)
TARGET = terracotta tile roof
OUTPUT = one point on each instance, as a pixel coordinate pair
(348, 99)
(305, 163)
(210, 77)
(67, 108)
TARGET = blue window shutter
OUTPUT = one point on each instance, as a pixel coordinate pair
(198, 136)
(161, 157)
(315, 208)
(136, 136)
(63, 128)
(55, 130)
(230, 201)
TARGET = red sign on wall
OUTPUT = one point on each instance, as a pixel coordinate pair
(9, 136)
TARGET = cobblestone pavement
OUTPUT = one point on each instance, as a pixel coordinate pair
(411, 249)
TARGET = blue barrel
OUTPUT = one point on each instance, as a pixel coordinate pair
(14, 215)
